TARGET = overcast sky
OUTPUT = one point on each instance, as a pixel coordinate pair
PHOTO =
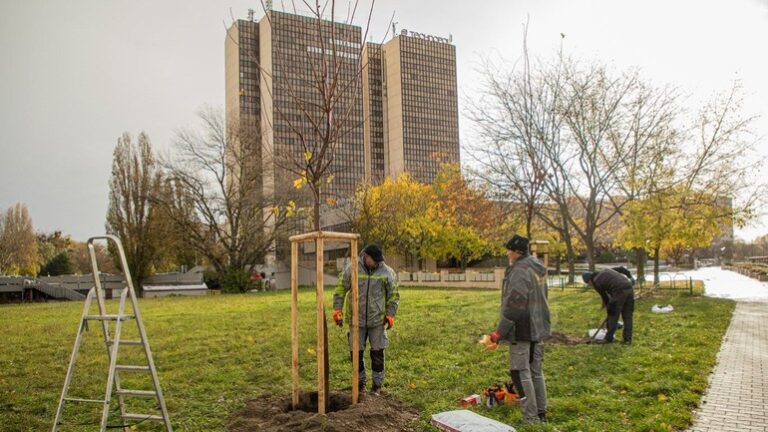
(75, 75)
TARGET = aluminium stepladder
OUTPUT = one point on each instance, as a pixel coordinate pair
(112, 346)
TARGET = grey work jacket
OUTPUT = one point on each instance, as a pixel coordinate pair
(378, 293)
(524, 314)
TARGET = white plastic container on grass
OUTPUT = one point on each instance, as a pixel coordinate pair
(662, 309)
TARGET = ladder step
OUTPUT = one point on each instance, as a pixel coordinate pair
(137, 393)
(130, 368)
(129, 416)
(109, 317)
(98, 401)
(125, 342)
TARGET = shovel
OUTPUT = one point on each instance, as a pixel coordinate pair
(602, 324)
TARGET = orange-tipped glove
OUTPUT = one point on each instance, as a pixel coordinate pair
(489, 345)
(390, 320)
(338, 317)
(495, 337)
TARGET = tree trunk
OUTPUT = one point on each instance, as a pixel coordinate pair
(590, 254)
(528, 223)
(316, 209)
(656, 252)
(641, 256)
(571, 255)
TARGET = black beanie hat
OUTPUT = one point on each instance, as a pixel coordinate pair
(517, 243)
(374, 251)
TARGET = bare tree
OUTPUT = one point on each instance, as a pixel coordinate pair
(130, 216)
(516, 116)
(722, 163)
(18, 243)
(213, 195)
(570, 144)
(318, 121)
(707, 182)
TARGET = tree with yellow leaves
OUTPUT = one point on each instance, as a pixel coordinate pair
(449, 219)
(18, 244)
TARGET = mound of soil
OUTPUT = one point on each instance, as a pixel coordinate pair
(371, 414)
(561, 339)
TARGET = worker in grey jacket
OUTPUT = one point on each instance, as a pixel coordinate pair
(524, 323)
(378, 299)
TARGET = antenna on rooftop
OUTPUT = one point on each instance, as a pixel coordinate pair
(394, 32)
(250, 14)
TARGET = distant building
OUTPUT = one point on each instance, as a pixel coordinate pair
(421, 116)
(404, 107)
(407, 104)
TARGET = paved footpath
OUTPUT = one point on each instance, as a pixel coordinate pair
(737, 397)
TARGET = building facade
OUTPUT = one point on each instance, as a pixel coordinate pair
(401, 111)
(420, 108)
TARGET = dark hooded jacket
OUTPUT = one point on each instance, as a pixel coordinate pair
(609, 283)
(524, 314)
(378, 293)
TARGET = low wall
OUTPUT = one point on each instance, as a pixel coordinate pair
(490, 278)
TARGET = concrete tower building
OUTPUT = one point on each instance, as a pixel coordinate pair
(402, 111)
(421, 120)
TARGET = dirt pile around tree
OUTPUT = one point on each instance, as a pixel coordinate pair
(372, 414)
(562, 339)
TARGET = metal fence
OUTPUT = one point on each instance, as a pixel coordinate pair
(674, 282)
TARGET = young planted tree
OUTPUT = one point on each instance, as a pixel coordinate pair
(312, 85)
(319, 102)
(18, 243)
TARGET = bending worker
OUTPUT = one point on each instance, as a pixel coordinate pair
(378, 298)
(524, 323)
(618, 296)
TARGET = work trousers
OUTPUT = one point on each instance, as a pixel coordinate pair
(377, 337)
(525, 363)
(621, 304)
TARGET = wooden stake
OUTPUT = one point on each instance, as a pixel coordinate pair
(355, 323)
(294, 325)
(321, 381)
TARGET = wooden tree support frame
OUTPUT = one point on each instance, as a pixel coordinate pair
(319, 238)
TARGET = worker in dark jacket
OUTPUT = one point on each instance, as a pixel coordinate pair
(378, 300)
(618, 296)
(524, 323)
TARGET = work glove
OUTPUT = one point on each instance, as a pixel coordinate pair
(338, 317)
(390, 320)
(489, 345)
(495, 337)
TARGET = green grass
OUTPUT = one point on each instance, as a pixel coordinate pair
(214, 353)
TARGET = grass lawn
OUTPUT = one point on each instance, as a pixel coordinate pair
(215, 352)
